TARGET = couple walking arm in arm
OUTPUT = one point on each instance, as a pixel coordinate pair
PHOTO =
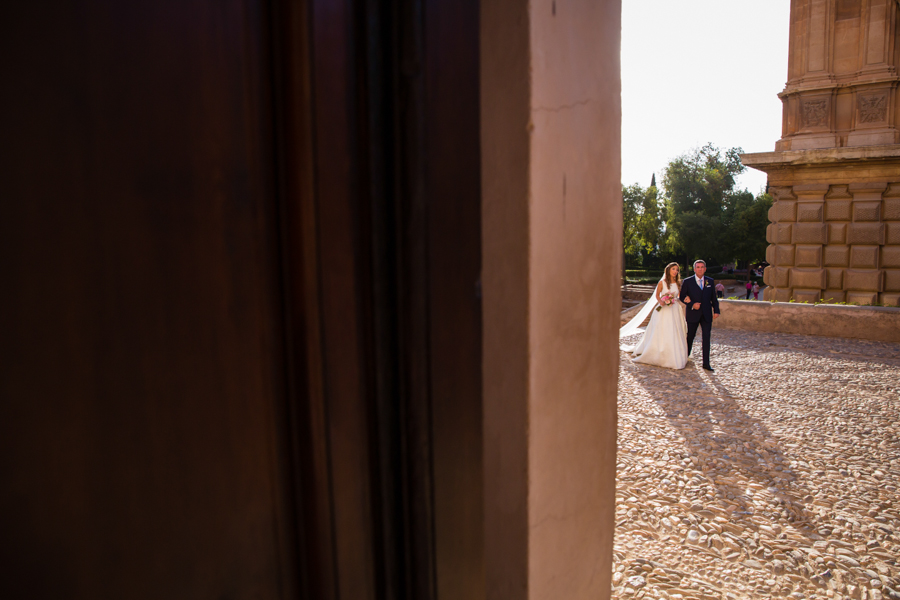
(669, 336)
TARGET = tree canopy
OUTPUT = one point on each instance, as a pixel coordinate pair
(701, 180)
(643, 221)
(698, 213)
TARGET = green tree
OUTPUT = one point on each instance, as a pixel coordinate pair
(642, 222)
(699, 191)
(694, 235)
(631, 245)
(746, 219)
(701, 180)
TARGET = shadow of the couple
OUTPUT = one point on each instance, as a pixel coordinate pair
(740, 479)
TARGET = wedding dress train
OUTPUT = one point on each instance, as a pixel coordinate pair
(665, 340)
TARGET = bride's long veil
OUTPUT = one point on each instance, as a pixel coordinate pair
(634, 325)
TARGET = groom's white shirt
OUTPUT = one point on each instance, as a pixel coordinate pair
(699, 281)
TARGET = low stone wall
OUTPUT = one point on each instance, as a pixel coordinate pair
(829, 320)
(637, 292)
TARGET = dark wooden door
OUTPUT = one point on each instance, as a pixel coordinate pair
(381, 108)
(240, 317)
(143, 377)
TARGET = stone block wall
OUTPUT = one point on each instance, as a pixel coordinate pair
(839, 243)
(835, 172)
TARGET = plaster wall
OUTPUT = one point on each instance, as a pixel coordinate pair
(575, 295)
(505, 225)
(551, 241)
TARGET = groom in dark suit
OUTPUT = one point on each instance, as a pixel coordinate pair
(699, 293)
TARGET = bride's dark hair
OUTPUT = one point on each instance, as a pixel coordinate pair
(668, 277)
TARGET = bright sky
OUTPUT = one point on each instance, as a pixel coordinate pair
(700, 71)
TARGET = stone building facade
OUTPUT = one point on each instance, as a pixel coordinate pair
(835, 173)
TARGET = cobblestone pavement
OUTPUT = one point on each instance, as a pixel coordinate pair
(776, 476)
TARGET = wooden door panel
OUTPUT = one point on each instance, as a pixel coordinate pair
(240, 326)
(142, 354)
(454, 227)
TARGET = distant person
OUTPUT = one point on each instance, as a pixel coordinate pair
(749, 289)
(720, 290)
(756, 291)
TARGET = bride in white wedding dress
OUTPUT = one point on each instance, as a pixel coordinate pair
(665, 340)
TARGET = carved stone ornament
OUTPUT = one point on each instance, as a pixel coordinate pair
(815, 113)
(872, 108)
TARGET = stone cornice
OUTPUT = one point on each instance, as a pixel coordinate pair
(833, 85)
(761, 160)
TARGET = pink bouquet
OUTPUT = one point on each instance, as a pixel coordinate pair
(665, 300)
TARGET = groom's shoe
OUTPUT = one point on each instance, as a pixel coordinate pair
(709, 368)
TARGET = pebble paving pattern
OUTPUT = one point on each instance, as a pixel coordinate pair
(774, 477)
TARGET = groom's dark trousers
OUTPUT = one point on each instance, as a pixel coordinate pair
(706, 330)
(703, 317)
